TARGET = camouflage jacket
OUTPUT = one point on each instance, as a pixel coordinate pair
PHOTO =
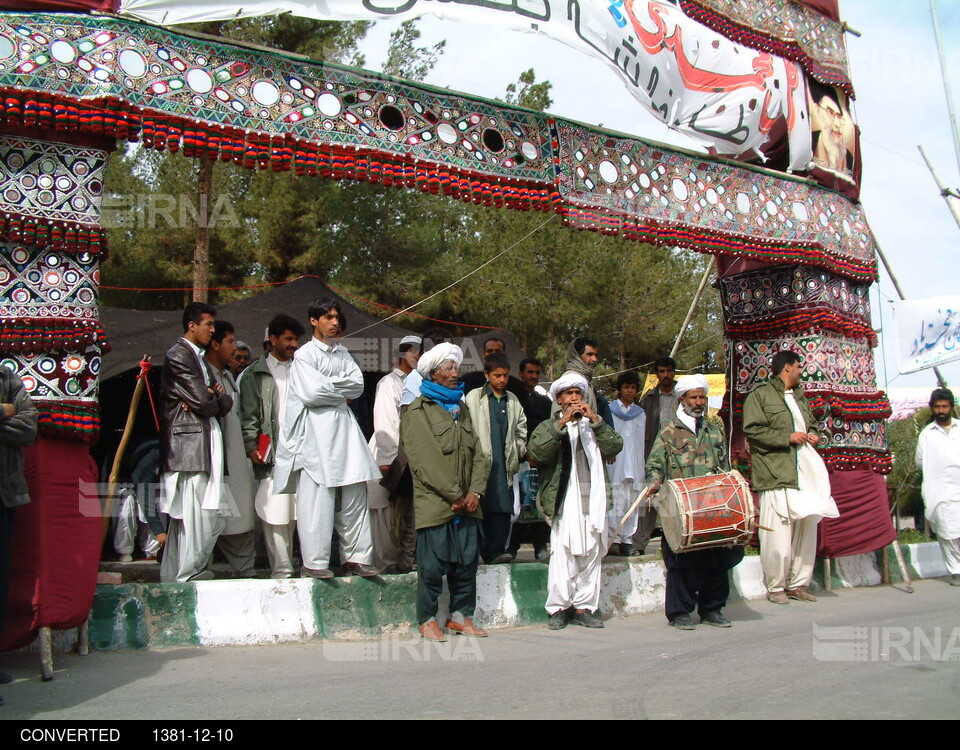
(679, 454)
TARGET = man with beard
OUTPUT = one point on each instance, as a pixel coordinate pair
(830, 142)
(938, 457)
(582, 359)
(692, 446)
(659, 406)
(790, 477)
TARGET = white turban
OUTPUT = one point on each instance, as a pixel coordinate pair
(566, 381)
(432, 359)
(691, 383)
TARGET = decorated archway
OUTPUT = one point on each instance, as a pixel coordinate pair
(796, 258)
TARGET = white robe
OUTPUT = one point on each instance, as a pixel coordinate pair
(239, 480)
(320, 434)
(385, 443)
(813, 497)
(277, 509)
(938, 457)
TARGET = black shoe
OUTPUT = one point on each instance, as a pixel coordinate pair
(626, 550)
(715, 618)
(506, 557)
(683, 622)
(539, 554)
(323, 574)
(559, 619)
(5, 678)
(586, 619)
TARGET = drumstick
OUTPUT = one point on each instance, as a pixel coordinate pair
(763, 528)
(629, 513)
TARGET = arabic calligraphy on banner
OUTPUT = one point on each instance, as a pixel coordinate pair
(733, 99)
(928, 332)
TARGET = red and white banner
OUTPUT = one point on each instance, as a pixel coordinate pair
(734, 100)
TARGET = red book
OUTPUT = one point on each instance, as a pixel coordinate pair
(263, 447)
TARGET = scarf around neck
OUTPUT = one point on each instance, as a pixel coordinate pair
(576, 364)
(630, 413)
(448, 398)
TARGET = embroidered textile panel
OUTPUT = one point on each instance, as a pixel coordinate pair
(784, 220)
(52, 181)
(115, 77)
(784, 299)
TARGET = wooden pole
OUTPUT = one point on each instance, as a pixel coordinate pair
(898, 551)
(827, 575)
(124, 441)
(949, 195)
(201, 253)
(46, 654)
(948, 94)
(83, 638)
(693, 306)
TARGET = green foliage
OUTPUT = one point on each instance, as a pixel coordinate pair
(528, 93)
(904, 480)
(911, 536)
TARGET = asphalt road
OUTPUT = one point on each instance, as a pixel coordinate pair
(885, 654)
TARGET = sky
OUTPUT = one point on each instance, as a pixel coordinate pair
(900, 104)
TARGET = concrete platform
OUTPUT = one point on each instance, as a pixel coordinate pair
(249, 611)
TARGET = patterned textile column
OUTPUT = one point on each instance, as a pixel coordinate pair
(50, 249)
(826, 319)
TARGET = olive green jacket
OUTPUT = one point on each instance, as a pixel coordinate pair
(550, 448)
(445, 459)
(257, 413)
(768, 424)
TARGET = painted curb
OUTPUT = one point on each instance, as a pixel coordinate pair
(248, 612)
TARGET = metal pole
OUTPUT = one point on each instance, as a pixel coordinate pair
(949, 195)
(896, 285)
(693, 306)
(946, 84)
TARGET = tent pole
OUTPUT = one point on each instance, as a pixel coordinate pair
(693, 306)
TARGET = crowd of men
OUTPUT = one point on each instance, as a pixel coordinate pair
(464, 468)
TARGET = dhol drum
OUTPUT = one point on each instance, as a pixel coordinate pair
(712, 511)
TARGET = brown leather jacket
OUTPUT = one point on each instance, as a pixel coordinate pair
(185, 443)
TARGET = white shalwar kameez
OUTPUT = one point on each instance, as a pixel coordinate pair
(277, 511)
(578, 537)
(194, 500)
(322, 454)
(938, 457)
(788, 552)
(236, 540)
(385, 445)
(627, 472)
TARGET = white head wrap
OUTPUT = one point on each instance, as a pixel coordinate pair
(432, 359)
(691, 383)
(566, 381)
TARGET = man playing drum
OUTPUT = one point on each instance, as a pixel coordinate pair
(686, 447)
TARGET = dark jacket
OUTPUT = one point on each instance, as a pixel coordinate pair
(15, 432)
(552, 451)
(185, 432)
(650, 403)
(257, 413)
(768, 424)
